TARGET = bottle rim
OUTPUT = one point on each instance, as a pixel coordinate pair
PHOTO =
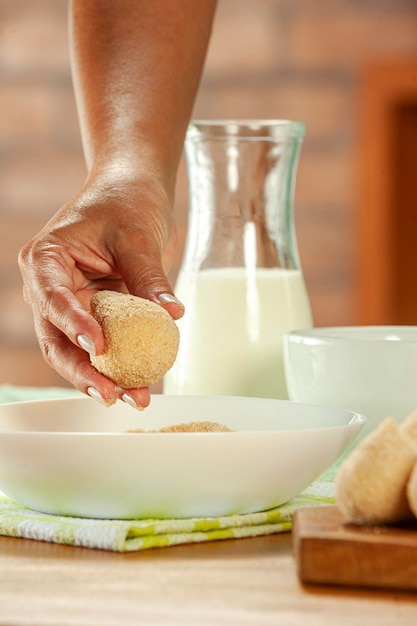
(245, 129)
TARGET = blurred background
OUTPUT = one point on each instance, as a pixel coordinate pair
(347, 68)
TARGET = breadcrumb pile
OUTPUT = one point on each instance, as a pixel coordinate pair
(192, 427)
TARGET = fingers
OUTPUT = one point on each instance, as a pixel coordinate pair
(66, 331)
(171, 303)
(50, 277)
(64, 311)
(141, 268)
(82, 251)
(73, 364)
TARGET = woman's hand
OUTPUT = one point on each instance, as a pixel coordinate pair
(112, 235)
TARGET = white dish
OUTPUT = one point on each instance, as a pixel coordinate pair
(73, 456)
(368, 369)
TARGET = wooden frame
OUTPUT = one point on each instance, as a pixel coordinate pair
(385, 88)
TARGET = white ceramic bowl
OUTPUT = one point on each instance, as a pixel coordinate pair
(73, 456)
(369, 369)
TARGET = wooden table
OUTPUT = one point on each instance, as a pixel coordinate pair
(239, 582)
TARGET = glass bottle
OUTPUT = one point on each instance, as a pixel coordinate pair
(240, 278)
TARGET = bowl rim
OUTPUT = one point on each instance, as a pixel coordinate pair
(355, 419)
(346, 334)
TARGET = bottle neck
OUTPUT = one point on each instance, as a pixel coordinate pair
(241, 200)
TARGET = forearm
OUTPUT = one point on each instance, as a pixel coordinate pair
(136, 69)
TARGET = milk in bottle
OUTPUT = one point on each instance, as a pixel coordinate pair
(240, 278)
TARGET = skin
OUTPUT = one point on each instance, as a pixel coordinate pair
(136, 68)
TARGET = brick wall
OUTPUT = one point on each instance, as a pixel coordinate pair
(299, 59)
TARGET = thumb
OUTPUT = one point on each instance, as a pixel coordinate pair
(143, 274)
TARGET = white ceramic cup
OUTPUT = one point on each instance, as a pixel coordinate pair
(368, 369)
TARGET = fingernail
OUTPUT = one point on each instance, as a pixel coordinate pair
(87, 344)
(131, 402)
(168, 297)
(96, 395)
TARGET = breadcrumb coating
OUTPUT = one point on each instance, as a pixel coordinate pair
(141, 339)
(408, 428)
(412, 491)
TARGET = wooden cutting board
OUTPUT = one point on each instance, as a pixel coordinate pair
(328, 551)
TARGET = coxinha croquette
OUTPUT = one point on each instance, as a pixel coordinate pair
(377, 483)
(141, 339)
